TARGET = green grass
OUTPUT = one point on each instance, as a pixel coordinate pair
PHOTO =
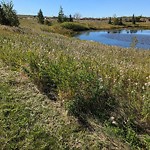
(75, 26)
(66, 28)
(71, 28)
(88, 84)
(29, 120)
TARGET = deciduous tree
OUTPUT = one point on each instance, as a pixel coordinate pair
(77, 16)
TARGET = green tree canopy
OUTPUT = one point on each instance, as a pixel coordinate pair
(116, 21)
(133, 19)
(61, 15)
(109, 21)
(40, 17)
(8, 15)
(2, 15)
(120, 21)
(70, 18)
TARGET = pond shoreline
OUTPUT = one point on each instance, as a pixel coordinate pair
(124, 38)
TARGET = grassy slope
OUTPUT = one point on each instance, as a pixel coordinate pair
(29, 120)
(36, 120)
(72, 28)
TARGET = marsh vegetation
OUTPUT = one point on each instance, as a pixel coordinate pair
(59, 92)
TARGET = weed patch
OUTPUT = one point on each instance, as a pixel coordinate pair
(93, 80)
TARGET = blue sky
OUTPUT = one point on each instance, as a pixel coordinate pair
(87, 8)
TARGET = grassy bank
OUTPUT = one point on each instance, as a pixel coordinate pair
(72, 28)
(71, 93)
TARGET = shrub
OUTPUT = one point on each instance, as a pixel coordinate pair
(41, 76)
(47, 22)
(75, 26)
(89, 94)
(92, 98)
(2, 16)
(8, 14)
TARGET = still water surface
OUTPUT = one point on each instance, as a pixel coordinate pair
(123, 38)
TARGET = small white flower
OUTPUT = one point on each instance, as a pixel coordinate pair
(114, 123)
(112, 118)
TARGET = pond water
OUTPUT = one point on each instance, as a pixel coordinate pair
(122, 38)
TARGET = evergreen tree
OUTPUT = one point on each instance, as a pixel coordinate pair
(120, 21)
(109, 22)
(70, 18)
(61, 15)
(8, 15)
(116, 21)
(40, 17)
(133, 19)
(2, 15)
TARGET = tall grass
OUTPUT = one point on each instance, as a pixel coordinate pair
(66, 28)
(75, 26)
(92, 80)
